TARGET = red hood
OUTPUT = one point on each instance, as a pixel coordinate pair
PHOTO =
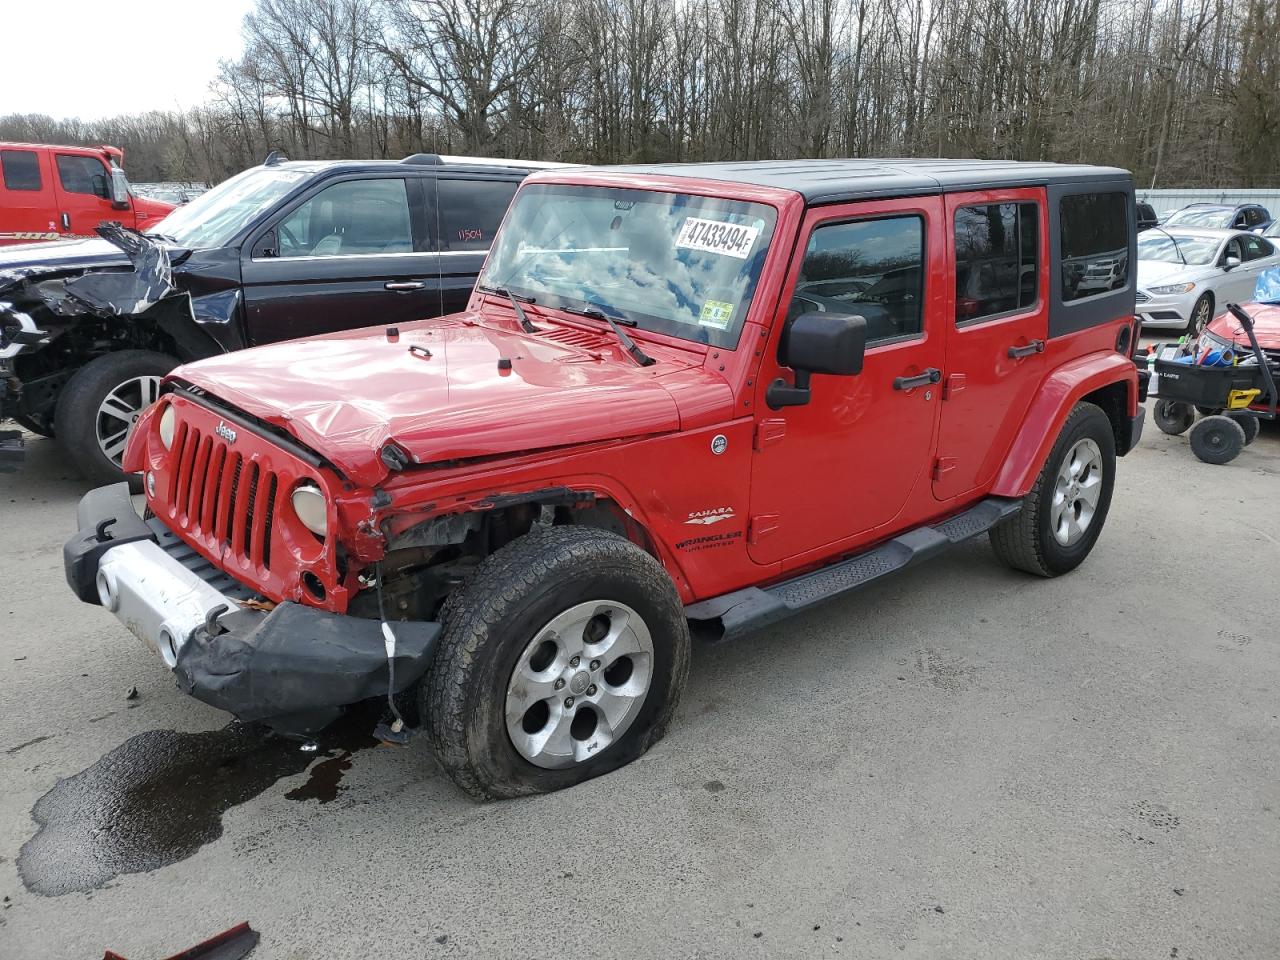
(1266, 325)
(345, 395)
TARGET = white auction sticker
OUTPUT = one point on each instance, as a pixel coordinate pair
(712, 236)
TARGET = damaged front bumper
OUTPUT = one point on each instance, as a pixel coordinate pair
(292, 668)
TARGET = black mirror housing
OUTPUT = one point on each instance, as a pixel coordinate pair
(832, 343)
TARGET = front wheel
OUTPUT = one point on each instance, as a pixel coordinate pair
(99, 406)
(1063, 514)
(1217, 440)
(1201, 314)
(561, 659)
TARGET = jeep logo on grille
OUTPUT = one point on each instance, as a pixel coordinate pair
(225, 432)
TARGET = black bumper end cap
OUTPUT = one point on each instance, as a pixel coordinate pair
(105, 518)
(295, 667)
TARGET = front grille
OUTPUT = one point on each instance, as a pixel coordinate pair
(220, 497)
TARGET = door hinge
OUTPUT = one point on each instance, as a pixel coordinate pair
(761, 525)
(943, 465)
(953, 384)
(769, 431)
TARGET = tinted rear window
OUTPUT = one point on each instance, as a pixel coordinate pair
(470, 211)
(1095, 244)
(21, 169)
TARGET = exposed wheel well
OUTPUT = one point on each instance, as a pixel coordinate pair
(1114, 401)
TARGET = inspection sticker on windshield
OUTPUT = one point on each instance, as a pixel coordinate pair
(712, 236)
(717, 314)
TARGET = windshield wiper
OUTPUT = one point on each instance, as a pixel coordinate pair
(525, 324)
(1177, 249)
(636, 354)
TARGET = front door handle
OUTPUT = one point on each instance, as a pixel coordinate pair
(1035, 346)
(66, 221)
(931, 375)
(404, 286)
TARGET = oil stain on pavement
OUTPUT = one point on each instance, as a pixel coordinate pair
(159, 797)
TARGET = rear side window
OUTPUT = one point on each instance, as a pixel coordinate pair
(21, 169)
(82, 175)
(997, 258)
(470, 211)
(868, 268)
(1256, 248)
(1095, 244)
(1254, 216)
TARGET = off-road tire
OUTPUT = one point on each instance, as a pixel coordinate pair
(489, 621)
(1025, 541)
(75, 421)
(1201, 314)
(1248, 422)
(1217, 440)
(1173, 417)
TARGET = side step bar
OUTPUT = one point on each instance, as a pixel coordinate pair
(755, 607)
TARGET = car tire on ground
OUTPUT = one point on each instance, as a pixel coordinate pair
(509, 709)
(1173, 416)
(99, 405)
(1201, 314)
(1248, 422)
(1217, 440)
(1063, 513)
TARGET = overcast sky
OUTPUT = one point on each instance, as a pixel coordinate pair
(97, 58)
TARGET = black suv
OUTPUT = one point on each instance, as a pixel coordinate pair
(283, 250)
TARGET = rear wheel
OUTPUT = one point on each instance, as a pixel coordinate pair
(1173, 416)
(1063, 514)
(99, 406)
(561, 659)
(1217, 440)
(1248, 423)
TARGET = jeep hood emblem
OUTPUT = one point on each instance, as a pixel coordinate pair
(225, 432)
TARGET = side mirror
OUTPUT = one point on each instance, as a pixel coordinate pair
(119, 189)
(1230, 263)
(831, 343)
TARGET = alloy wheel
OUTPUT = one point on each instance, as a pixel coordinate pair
(119, 411)
(1076, 492)
(579, 684)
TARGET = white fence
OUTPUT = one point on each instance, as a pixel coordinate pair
(1169, 200)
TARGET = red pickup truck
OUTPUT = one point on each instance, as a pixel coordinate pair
(687, 399)
(50, 193)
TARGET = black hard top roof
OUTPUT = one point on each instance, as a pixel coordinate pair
(833, 181)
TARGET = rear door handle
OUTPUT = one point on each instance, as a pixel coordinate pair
(404, 286)
(931, 375)
(1035, 346)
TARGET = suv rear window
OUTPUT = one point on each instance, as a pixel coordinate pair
(77, 175)
(1095, 244)
(470, 211)
(997, 256)
(21, 169)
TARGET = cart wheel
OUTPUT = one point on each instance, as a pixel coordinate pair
(1248, 422)
(1217, 439)
(1173, 416)
(1208, 411)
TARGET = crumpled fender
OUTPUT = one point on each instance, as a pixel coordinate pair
(1061, 390)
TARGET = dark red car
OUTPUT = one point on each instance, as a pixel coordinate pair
(707, 395)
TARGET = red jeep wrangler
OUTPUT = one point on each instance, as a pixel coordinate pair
(710, 395)
(52, 193)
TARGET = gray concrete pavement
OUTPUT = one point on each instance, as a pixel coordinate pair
(961, 762)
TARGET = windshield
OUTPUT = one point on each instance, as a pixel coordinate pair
(673, 263)
(1213, 217)
(1156, 245)
(214, 218)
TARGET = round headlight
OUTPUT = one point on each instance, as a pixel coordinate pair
(309, 505)
(168, 423)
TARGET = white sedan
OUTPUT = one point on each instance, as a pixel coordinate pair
(1187, 275)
